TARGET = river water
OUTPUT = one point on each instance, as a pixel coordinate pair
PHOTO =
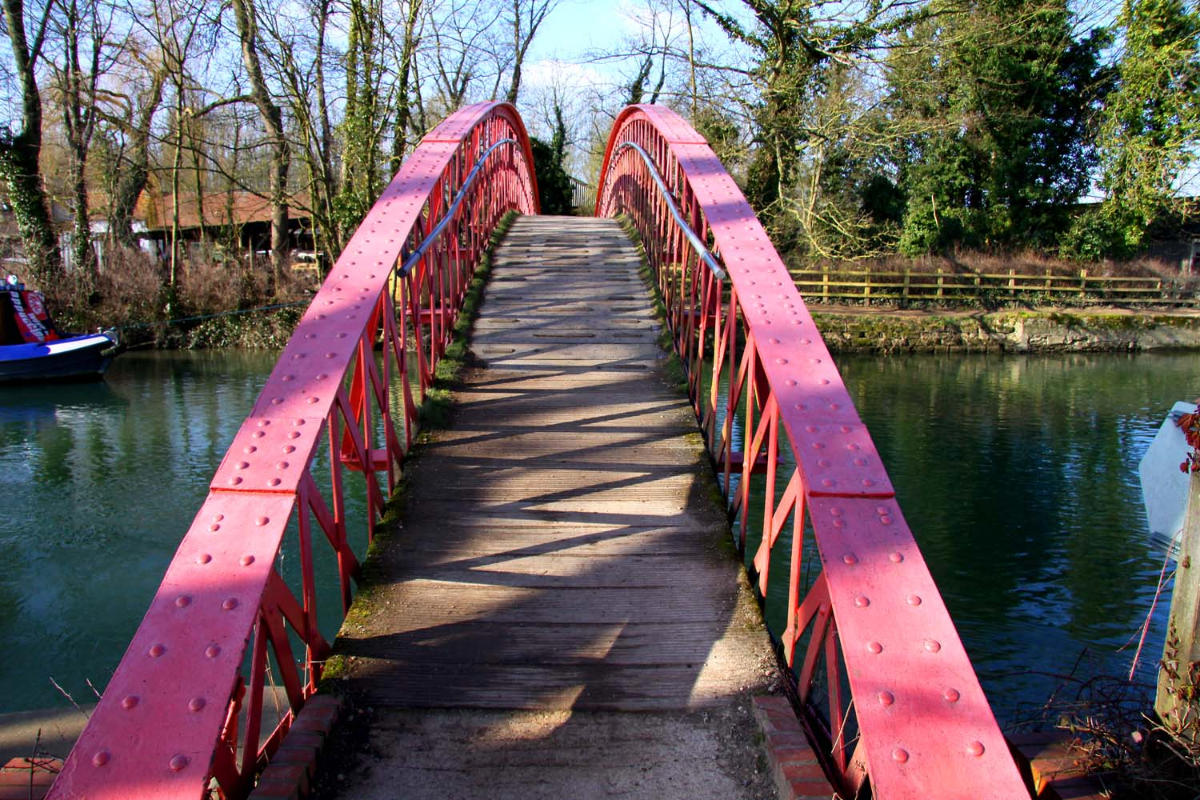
(1016, 474)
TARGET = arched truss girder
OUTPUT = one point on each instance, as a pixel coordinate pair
(869, 641)
(185, 714)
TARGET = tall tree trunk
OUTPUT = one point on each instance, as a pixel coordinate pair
(403, 113)
(131, 180)
(272, 119)
(19, 154)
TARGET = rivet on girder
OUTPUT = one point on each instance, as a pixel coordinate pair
(274, 482)
(100, 758)
(874, 647)
(196, 704)
(129, 702)
(900, 755)
(156, 650)
(975, 748)
(262, 521)
(896, 557)
(183, 601)
(914, 599)
(215, 527)
(230, 604)
(294, 435)
(850, 558)
(178, 762)
(933, 645)
(951, 695)
(289, 448)
(258, 434)
(243, 464)
(212, 651)
(203, 558)
(885, 520)
(862, 601)
(235, 480)
(247, 560)
(886, 699)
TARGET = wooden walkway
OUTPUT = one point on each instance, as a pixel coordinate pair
(562, 560)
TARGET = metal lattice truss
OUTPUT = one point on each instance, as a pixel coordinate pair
(900, 704)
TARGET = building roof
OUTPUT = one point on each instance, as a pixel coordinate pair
(220, 208)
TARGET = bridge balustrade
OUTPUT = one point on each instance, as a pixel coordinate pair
(875, 661)
(184, 715)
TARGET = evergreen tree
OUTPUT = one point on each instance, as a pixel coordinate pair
(996, 97)
(1149, 129)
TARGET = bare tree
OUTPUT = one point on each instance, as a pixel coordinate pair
(272, 119)
(524, 19)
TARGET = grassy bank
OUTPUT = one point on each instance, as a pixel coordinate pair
(849, 330)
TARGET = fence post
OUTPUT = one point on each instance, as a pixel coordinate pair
(867, 288)
(1082, 282)
(1179, 671)
(940, 282)
(825, 283)
(904, 293)
(1047, 279)
(977, 297)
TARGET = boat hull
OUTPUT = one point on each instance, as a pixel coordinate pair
(73, 358)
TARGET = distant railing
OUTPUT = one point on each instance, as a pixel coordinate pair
(873, 657)
(942, 287)
(185, 715)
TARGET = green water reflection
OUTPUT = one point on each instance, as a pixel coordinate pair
(99, 483)
(1018, 477)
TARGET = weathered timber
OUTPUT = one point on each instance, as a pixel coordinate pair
(562, 552)
(1179, 673)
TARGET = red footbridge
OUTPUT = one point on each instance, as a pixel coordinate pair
(875, 669)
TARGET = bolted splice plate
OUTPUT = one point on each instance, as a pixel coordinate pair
(153, 732)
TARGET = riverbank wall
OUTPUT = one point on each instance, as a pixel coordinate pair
(857, 330)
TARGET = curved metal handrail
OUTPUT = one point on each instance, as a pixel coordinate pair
(916, 723)
(182, 710)
(698, 246)
(415, 257)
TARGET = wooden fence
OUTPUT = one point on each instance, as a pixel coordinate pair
(952, 288)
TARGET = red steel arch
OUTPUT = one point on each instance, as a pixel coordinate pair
(916, 724)
(183, 715)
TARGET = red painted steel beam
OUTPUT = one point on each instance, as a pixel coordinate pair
(166, 724)
(927, 731)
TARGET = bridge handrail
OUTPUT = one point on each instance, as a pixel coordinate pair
(418, 253)
(916, 724)
(182, 717)
(698, 246)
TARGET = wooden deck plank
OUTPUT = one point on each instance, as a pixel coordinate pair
(561, 546)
